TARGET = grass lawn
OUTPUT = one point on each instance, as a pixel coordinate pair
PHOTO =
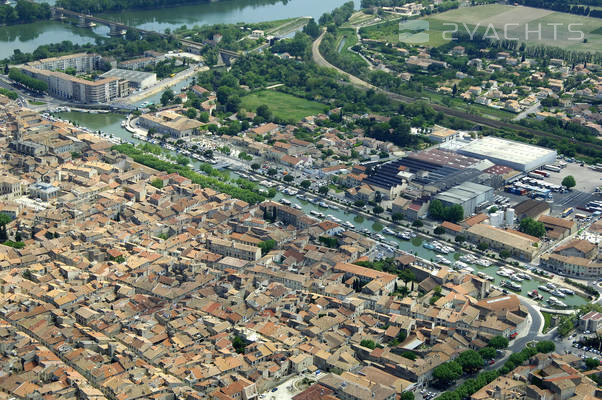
(283, 105)
(547, 325)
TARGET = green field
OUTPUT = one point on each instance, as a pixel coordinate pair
(544, 26)
(498, 22)
(283, 105)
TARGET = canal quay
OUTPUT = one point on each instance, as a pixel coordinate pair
(27, 38)
(111, 123)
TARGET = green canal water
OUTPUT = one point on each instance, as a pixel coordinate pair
(28, 37)
(110, 123)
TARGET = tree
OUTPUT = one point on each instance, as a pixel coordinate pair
(407, 396)
(204, 116)
(454, 213)
(470, 360)
(498, 342)
(439, 230)
(447, 373)
(312, 29)
(488, 353)
(191, 113)
(504, 254)
(255, 166)
(305, 184)
(378, 210)
(417, 224)
(545, 346)
(323, 190)
(329, 241)
(532, 227)
(158, 183)
(288, 178)
(569, 182)
(264, 112)
(397, 217)
(368, 343)
(406, 276)
(483, 246)
(272, 171)
(591, 363)
(167, 97)
(266, 246)
(436, 210)
(4, 220)
(239, 344)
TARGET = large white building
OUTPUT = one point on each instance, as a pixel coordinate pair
(81, 62)
(516, 155)
(469, 195)
(72, 88)
(69, 87)
(137, 79)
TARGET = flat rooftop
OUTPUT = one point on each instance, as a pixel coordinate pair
(497, 148)
(463, 192)
(132, 76)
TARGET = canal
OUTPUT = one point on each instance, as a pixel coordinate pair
(28, 37)
(110, 123)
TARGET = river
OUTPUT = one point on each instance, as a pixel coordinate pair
(27, 37)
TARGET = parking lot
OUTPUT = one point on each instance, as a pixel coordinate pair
(569, 345)
(587, 179)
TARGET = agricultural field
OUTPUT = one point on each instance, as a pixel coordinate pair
(283, 105)
(532, 25)
(496, 21)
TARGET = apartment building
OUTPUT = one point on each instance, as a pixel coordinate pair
(81, 62)
(72, 88)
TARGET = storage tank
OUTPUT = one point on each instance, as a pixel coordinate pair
(510, 216)
(496, 219)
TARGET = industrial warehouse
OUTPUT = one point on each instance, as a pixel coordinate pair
(520, 156)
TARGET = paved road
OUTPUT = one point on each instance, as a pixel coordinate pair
(534, 330)
(321, 61)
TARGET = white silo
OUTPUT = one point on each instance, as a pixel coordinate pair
(509, 216)
(496, 219)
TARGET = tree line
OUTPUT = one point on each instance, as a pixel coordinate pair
(28, 81)
(96, 6)
(567, 6)
(23, 12)
(208, 180)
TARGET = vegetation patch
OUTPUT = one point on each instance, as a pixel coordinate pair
(282, 105)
